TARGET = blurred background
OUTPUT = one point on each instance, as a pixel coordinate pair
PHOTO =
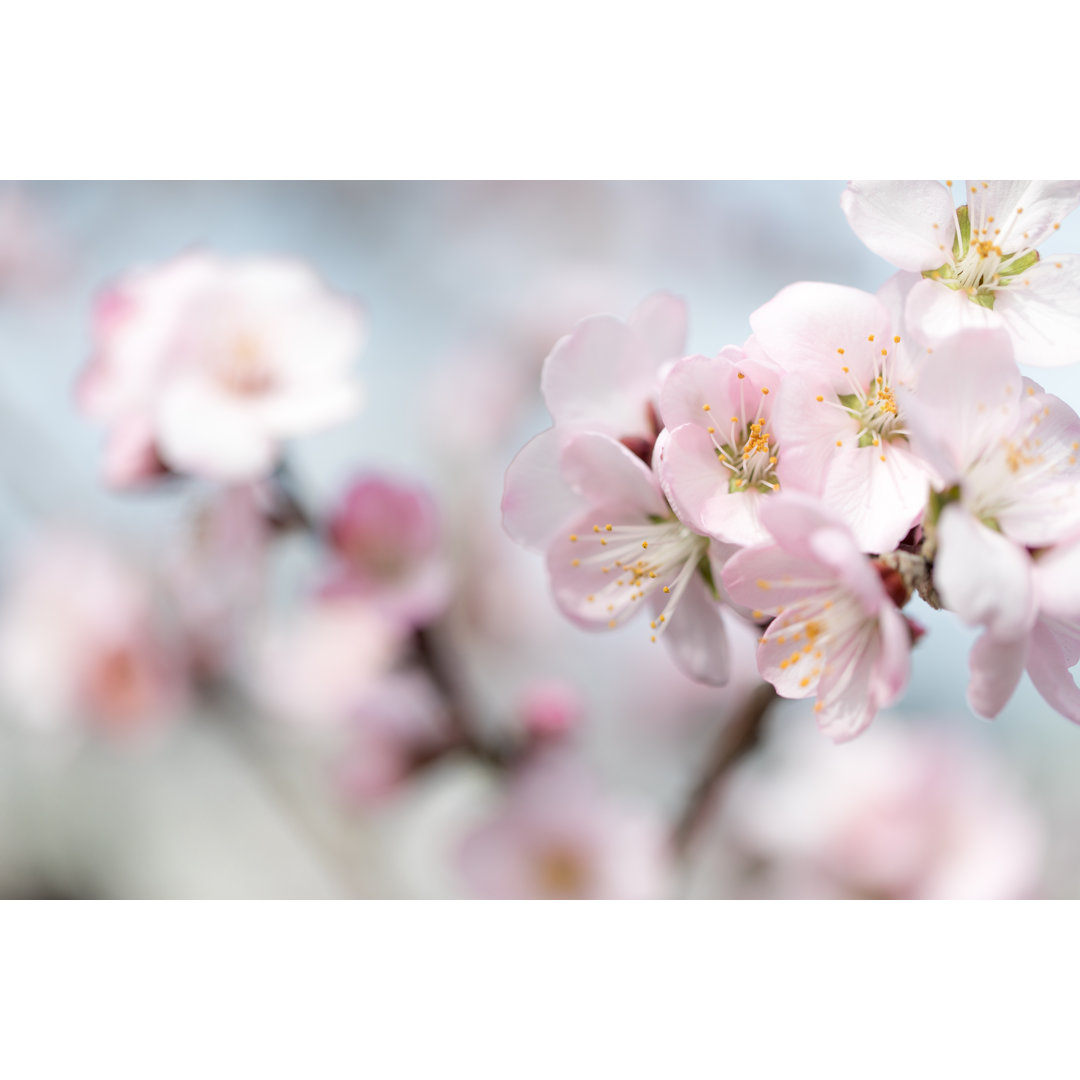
(229, 785)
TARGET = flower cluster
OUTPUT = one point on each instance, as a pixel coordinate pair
(854, 450)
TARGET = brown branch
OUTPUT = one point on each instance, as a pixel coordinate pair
(736, 738)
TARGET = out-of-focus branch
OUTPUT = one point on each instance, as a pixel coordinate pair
(736, 738)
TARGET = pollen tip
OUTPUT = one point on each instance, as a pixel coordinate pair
(820, 398)
(666, 589)
(896, 339)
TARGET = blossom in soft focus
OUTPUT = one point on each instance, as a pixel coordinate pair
(836, 632)
(399, 721)
(557, 835)
(614, 546)
(979, 263)
(550, 709)
(81, 640)
(317, 665)
(388, 543)
(204, 366)
(30, 258)
(722, 457)
(839, 419)
(905, 812)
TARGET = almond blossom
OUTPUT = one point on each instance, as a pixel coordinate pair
(979, 261)
(836, 632)
(839, 418)
(205, 366)
(559, 836)
(614, 546)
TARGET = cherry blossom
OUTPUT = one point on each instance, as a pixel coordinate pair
(559, 836)
(614, 546)
(82, 640)
(908, 811)
(836, 632)
(839, 419)
(205, 366)
(979, 261)
(722, 457)
(387, 540)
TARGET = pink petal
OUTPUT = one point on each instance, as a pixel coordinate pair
(696, 634)
(1042, 312)
(537, 501)
(603, 470)
(970, 556)
(660, 323)
(935, 312)
(1048, 665)
(996, 665)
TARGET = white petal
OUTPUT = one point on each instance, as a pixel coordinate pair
(983, 577)
(1042, 312)
(935, 312)
(908, 222)
(1025, 211)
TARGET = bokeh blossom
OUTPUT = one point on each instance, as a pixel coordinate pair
(206, 366)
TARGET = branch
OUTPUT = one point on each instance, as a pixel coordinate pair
(736, 738)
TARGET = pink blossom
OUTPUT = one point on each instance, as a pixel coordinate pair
(550, 709)
(908, 811)
(1045, 643)
(722, 457)
(559, 836)
(605, 375)
(204, 366)
(612, 542)
(839, 417)
(1007, 453)
(319, 666)
(401, 719)
(387, 539)
(979, 263)
(81, 640)
(836, 633)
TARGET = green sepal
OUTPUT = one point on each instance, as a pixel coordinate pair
(866, 439)
(983, 299)
(938, 501)
(1018, 266)
(850, 402)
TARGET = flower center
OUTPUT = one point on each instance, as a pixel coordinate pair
(243, 369)
(749, 455)
(640, 559)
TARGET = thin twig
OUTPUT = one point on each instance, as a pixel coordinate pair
(736, 738)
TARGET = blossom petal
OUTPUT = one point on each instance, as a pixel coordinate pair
(935, 312)
(970, 555)
(604, 470)
(1026, 211)
(1058, 575)
(1042, 312)
(660, 324)
(537, 501)
(601, 377)
(996, 665)
(811, 324)
(696, 634)
(1048, 665)
(910, 223)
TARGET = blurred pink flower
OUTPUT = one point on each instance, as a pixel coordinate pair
(81, 641)
(204, 366)
(550, 709)
(397, 723)
(31, 261)
(318, 665)
(905, 812)
(558, 835)
(388, 541)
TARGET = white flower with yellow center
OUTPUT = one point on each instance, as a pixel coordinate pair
(979, 260)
